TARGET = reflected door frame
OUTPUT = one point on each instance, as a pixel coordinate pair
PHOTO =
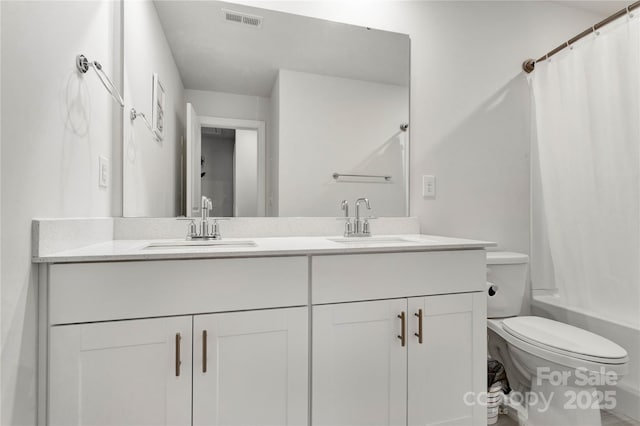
(260, 128)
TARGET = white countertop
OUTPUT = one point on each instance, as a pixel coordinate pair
(121, 250)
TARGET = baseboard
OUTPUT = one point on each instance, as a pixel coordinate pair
(627, 402)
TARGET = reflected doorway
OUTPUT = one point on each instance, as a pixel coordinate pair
(225, 161)
(229, 170)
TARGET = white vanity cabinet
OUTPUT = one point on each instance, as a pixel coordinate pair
(135, 372)
(359, 367)
(450, 361)
(301, 338)
(251, 368)
(116, 351)
(405, 360)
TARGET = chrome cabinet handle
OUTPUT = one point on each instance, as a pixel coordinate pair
(204, 351)
(419, 333)
(402, 336)
(178, 362)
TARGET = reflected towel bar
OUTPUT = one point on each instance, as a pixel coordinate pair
(339, 175)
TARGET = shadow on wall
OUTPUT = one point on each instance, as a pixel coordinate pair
(388, 157)
(482, 170)
(75, 108)
(133, 167)
(77, 151)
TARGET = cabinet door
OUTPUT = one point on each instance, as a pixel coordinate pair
(256, 370)
(450, 361)
(121, 373)
(359, 364)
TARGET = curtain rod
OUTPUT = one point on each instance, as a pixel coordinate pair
(529, 65)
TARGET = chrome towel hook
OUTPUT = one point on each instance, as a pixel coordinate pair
(83, 65)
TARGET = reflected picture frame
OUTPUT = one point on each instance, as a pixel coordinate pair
(157, 112)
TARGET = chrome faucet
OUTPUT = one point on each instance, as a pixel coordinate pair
(206, 232)
(358, 227)
(362, 225)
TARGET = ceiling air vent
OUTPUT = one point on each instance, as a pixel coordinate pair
(242, 18)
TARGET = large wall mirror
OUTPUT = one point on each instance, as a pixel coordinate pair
(265, 113)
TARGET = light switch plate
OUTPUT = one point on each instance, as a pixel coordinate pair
(429, 186)
(103, 172)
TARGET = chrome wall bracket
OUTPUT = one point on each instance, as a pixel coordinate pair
(83, 64)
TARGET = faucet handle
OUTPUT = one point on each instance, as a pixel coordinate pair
(348, 224)
(192, 229)
(215, 232)
(366, 227)
(348, 227)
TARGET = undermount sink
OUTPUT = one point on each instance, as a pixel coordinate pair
(370, 240)
(194, 244)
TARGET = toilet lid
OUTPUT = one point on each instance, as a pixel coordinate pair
(560, 337)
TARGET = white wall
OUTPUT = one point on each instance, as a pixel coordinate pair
(246, 173)
(469, 102)
(329, 124)
(1, 332)
(152, 169)
(55, 124)
(228, 105)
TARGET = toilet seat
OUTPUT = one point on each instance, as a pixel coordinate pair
(544, 361)
(564, 340)
(618, 366)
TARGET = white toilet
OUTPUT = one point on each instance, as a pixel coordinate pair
(551, 366)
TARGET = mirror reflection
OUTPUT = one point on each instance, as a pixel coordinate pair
(265, 113)
(228, 165)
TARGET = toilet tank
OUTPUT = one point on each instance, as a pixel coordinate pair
(506, 283)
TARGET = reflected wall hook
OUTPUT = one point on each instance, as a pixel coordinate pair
(404, 127)
(133, 114)
(83, 64)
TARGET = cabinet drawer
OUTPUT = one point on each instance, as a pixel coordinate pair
(85, 292)
(346, 278)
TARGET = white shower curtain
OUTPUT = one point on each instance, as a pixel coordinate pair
(587, 131)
